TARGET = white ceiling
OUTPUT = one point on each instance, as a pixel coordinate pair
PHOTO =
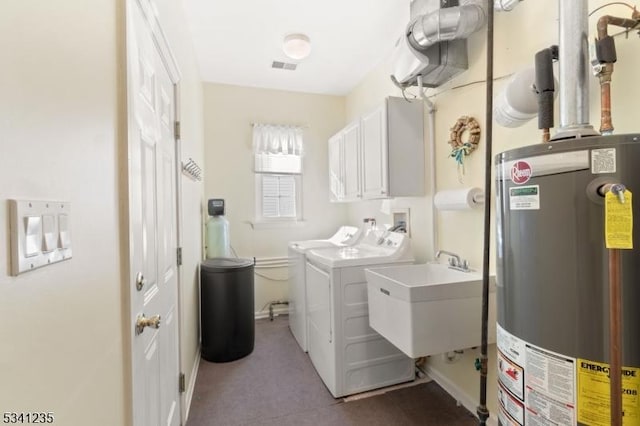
(236, 41)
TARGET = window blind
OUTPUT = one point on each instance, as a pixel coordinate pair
(278, 196)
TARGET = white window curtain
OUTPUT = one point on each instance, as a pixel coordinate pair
(277, 149)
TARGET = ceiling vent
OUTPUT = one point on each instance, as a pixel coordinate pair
(284, 66)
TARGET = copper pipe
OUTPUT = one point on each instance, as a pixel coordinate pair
(546, 137)
(607, 20)
(615, 337)
(606, 124)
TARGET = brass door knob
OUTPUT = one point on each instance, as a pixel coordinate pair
(142, 322)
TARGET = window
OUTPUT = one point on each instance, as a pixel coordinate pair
(278, 172)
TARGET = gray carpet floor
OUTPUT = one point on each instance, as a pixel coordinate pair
(277, 385)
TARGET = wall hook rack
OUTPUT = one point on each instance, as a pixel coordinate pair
(191, 169)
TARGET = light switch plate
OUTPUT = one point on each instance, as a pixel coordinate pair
(36, 235)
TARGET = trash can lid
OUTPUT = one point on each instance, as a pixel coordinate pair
(221, 264)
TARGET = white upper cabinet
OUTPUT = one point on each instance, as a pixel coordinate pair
(344, 164)
(375, 177)
(352, 183)
(381, 154)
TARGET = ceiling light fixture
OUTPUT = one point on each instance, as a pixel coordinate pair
(296, 46)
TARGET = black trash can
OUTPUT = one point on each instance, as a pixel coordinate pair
(226, 308)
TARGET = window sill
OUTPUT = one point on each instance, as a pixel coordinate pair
(276, 224)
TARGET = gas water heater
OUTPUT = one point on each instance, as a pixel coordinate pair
(552, 283)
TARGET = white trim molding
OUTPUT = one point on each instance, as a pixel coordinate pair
(188, 395)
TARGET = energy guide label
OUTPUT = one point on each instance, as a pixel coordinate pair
(535, 386)
(524, 197)
(593, 394)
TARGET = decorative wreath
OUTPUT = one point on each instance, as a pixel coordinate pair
(460, 148)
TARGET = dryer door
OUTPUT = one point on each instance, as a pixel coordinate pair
(320, 329)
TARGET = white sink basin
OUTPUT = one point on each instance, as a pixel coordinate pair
(430, 281)
(429, 308)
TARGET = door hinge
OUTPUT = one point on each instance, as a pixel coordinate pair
(176, 129)
(182, 386)
(179, 256)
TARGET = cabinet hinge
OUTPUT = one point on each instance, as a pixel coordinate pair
(176, 129)
(182, 386)
(179, 256)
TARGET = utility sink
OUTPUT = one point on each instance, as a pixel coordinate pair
(428, 309)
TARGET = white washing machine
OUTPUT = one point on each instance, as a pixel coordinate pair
(350, 356)
(346, 235)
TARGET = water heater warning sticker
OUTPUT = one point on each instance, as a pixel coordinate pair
(593, 394)
(524, 197)
(603, 160)
(511, 375)
(511, 408)
(536, 386)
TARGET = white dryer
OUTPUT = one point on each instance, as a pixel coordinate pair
(350, 356)
(346, 235)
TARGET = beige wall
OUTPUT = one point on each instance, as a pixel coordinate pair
(63, 327)
(518, 36)
(229, 112)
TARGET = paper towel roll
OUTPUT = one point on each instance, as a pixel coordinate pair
(459, 199)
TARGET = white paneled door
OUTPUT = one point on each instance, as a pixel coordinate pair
(153, 276)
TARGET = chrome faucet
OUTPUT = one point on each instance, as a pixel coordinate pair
(455, 262)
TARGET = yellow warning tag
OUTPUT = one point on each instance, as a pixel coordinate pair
(618, 215)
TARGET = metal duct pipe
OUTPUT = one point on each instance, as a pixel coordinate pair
(573, 59)
(449, 23)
